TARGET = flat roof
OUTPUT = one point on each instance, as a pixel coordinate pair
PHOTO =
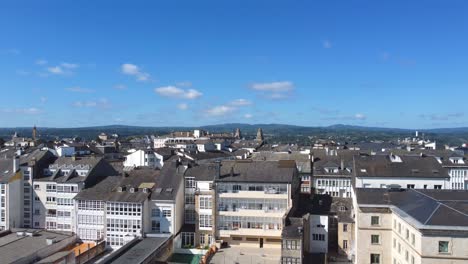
(141, 251)
(14, 247)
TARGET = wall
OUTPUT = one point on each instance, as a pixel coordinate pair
(419, 182)
(318, 224)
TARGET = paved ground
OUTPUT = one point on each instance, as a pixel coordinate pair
(237, 255)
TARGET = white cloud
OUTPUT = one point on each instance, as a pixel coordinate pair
(101, 103)
(69, 65)
(56, 70)
(26, 111)
(41, 62)
(174, 92)
(274, 90)
(360, 116)
(284, 86)
(134, 70)
(78, 89)
(120, 87)
(248, 116)
(220, 110)
(182, 106)
(327, 44)
(240, 102)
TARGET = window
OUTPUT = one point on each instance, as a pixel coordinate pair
(412, 260)
(202, 239)
(399, 228)
(345, 227)
(189, 216)
(407, 233)
(205, 202)
(410, 186)
(155, 212)
(375, 239)
(399, 247)
(50, 199)
(437, 186)
(375, 220)
(406, 255)
(345, 244)
(190, 183)
(188, 239)
(394, 243)
(413, 239)
(443, 247)
(375, 258)
(51, 188)
(318, 237)
(205, 221)
(166, 212)
(155, 226)
(37, 187)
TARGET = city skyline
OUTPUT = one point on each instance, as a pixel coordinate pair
(64, 64)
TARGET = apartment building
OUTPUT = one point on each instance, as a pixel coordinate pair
(117, 208)
(407, 171)
(411, 226)
(341, 236)
(59, 183)
(332, 172)
(166, 205)
(457, 167)
(200, 201)
(303, 163)
(252, 197)
(18, 171)
(143, 157)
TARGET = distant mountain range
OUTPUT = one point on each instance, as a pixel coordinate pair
(271, 129)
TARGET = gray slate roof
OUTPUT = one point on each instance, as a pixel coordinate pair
(429, 207)
(257, 171)
(411, 166)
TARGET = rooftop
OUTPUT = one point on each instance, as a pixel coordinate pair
(257, 171)
(14, 247)
(409, 166)
(428, 207)
(142, 251)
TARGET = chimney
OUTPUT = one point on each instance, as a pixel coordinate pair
(16, 163)
(218, 169)
(342, 164)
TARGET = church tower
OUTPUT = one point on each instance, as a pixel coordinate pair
(34, 133)
(238, 134)
(259, 135)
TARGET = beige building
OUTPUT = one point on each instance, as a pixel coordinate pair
(411, 226)
(252, 197)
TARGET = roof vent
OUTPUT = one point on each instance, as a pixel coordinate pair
(121, 189)
(169, 190)
(51, 240)
(158, 190)
(299, 229)
(394, 188)
(132, 190)
(145, 190)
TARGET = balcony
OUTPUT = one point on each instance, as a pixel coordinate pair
(230, 210)
(254, 194)
(250, 232)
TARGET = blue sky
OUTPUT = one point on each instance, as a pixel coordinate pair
(165, 63)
